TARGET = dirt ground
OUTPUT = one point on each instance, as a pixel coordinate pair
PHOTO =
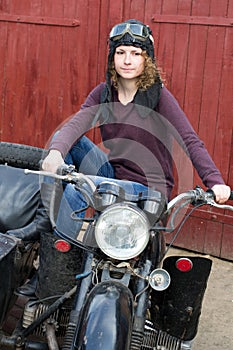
(216, 322)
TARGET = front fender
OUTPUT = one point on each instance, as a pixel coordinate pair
(107, 318)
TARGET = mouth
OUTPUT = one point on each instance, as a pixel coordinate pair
(127, 69)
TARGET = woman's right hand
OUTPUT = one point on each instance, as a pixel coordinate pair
(52, 161)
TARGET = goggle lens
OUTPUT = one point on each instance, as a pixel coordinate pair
(136, 30)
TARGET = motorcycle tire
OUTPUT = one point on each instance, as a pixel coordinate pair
(21, 156)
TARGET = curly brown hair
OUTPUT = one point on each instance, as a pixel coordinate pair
(150, 75)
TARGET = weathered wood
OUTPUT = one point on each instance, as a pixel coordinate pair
(48, 67)
(227, 242)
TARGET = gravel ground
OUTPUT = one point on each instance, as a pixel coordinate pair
(216, 322)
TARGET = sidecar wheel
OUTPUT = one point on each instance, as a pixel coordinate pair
(21, 156)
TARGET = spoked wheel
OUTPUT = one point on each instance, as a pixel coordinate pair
(21, 156)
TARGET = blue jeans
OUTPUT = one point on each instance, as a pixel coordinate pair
(90, 160)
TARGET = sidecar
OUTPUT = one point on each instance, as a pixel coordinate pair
(19, 196)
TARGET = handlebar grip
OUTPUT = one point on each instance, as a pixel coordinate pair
(211, 192)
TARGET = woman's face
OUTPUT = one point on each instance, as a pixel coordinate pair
(129, 62)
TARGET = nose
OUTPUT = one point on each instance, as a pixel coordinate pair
(127, 58)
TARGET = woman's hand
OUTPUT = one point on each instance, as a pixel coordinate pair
(52, 161)
(222, 193)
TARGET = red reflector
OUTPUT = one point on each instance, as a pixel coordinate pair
(184, 264)
(62, 246)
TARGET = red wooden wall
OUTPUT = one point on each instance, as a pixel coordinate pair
(52, 53)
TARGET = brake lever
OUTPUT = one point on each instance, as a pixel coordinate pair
(220, 206)
(208, 198)
(44, 173)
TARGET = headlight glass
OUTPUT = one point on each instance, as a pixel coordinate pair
(122, 231)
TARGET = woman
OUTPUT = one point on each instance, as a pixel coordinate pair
(138, 118)
(133, 78)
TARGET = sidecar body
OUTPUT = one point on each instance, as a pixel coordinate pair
(19, 194)
(8, 247)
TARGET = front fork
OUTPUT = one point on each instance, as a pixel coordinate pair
(141, 307)
(84, 286)
(132, 320)
(111, 318)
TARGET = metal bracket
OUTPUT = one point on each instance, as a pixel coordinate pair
(197, 20)
(47, 21)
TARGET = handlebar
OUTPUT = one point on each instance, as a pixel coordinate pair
(196, 196)
(70, 177)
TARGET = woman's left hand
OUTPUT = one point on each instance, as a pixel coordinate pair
(222, 193)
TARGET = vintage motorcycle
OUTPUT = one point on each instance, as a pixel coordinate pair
(113, 286)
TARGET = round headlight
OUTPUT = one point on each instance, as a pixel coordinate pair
(122, 231)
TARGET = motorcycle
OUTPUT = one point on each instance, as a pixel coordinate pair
(113, 286)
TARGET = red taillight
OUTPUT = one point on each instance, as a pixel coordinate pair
(184, 264)
(62, 246)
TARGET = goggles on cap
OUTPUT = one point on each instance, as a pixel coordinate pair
(137, 31)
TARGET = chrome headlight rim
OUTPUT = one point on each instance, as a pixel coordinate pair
(142, 239)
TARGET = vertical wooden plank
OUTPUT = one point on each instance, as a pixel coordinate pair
(212, 78)
(151, 9)
(230, 171)
(196, 59)
(5, 6)
(211, 83)
(15, 76)
(224, 122)
(213, 238)
(35, 92)
(167, 38)
(127, 9)
(184, 174)
(116, 12)
(73, 60)
(181, 47)
(31, 88)
(195, 68)
(51, 47)
(16, 65)
(137, 10)
(94, 54)
(227, 242)
(224, 136)
(93, 37)
(3, 85)
(104, 29)
(103, 33)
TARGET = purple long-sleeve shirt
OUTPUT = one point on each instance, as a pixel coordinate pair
(140, 142)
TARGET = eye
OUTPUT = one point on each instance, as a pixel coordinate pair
(119, 52)
(136, 53)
